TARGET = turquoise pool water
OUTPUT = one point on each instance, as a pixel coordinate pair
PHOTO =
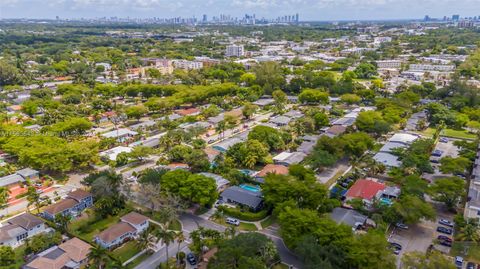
(250, 188)
(386, 201)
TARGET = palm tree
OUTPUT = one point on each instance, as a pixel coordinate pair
(33, 198)
(98, 255)
(167, 236)
(218, 214)
(146, 239)
(221, 127)
(62, 221)
(180, 239)
(230, 232)
(470, 232)
(4, 195)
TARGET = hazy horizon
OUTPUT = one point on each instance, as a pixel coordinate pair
(309, 10)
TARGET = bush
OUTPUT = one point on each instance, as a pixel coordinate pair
(243, 215)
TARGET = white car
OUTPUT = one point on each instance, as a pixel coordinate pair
(232, 221)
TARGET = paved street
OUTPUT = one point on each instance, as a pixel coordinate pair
(191, 222)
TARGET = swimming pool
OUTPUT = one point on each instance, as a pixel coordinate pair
(386, 201)
(250, 188)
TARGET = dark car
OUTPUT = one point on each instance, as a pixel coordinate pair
(444, 230)
(191, 259)
(445, 243)
(446, 222)
(437, 153)
(444, 238)
(471, 265)
(396, 245)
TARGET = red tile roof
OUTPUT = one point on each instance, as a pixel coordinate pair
(365, 189)
(187, 111)
(273, 168)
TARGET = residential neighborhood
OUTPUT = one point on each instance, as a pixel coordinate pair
(243, 142)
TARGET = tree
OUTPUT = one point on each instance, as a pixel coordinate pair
(350, 98)
(9, 74)
(469, 231)
(365, 70)
(135, 112)
(195, 188)
(412, 209)
(140, 152)
(7, 256)
(269, 75)
(166, 236)
(248, 78)
(296, 223)
(280, 99)
(33, 197)
(30, 107)
(146, 240)
(180, 237)
(4, 195)
(98, 256)
(62, 221)
(448, 191)
(454, 165)
(248, 110)
(246, 250)
(372, 122)
(321, 120)
(311, 96)
(268, 136)
(371, 250)
(248, 153)
(431, 260)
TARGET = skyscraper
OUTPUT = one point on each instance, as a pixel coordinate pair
(296, 17)
(455, 17)
(204, 18)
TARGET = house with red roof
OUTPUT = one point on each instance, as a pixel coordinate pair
(368, 190)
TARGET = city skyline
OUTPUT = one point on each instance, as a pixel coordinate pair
(309, 10)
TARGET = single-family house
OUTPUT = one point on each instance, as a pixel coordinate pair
(220, 181)
(72, 254)
(188, 111)
(14, 232)
(227, 143)
(294, 114)
(280, 120)
(349, 217)
(112, 153)
(241, 196)
(264, 102)
(75, 202)
(335, 130)
(121, 135)
(129, 227)
(398, 140)
(270, 169)
(365, 190)
(289, 158)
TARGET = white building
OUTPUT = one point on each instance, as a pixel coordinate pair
(432, 67)
(187, 65)
(387, 64)
(235, 51)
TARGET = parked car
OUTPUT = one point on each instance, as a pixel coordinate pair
(218, 203)
(437, 153)
(444, 230)
(396, 245)
(471, 265)
(445, 243)
(459, 261)
(401, 225)
(446, 222)
(191, 259)
(443, 140)
(444, 238)
(211, 141)
(233, 221)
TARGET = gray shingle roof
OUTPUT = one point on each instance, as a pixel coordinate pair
(348, 217)
(241, 196)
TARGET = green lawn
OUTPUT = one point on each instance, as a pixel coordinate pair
(175, 225)
(126, 251)
(267, 222)
(471, 252)
(137, 261)
(460, 134)
(87, 228)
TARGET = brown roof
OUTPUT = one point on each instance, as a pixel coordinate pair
(26, 221)
(79, 194)
(61, 206)
(134, 218)
(273, 168)
(46, 263)
(336, 129)
(115, 231)
(187, 111)
(235, 113)
(76, 249)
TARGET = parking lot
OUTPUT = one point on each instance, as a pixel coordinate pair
(420, 236)
(447, 149)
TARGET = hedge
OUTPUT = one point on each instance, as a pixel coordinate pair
(243, 215)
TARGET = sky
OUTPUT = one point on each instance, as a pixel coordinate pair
(313, 10)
